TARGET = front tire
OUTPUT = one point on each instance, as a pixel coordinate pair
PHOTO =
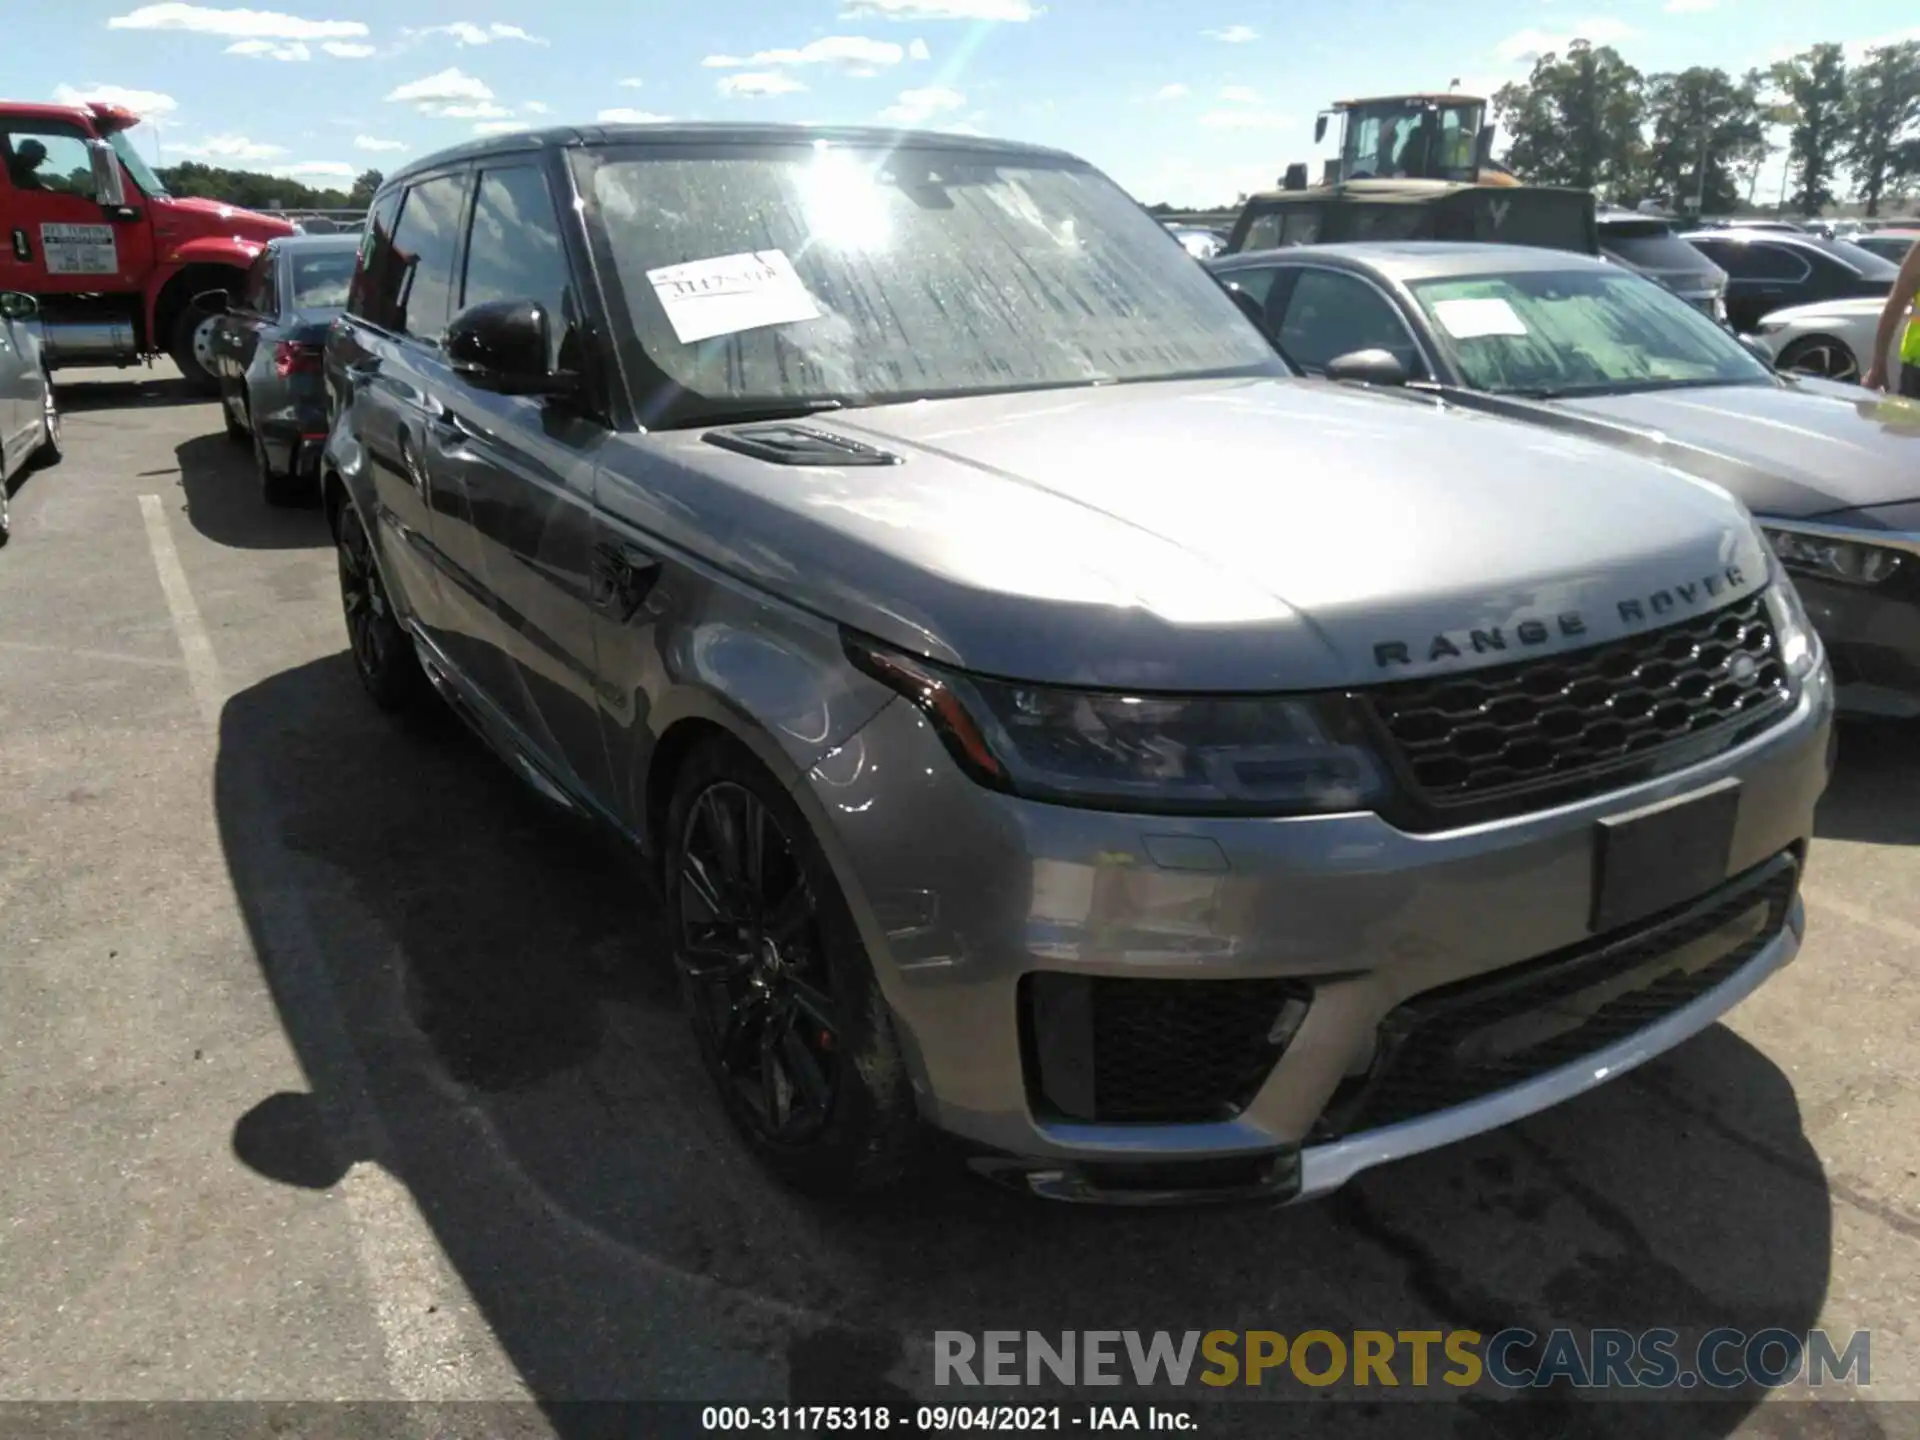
(1826, 356)
(383, 652)
(792, 1027)
(191, 346)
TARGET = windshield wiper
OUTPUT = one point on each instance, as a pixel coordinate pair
(743, 412)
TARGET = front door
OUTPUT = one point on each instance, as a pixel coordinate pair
(59, 240)
(253, 312)
(512, 480)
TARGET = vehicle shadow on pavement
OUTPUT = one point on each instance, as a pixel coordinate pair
(224, 501)
(477, 989)
(138, 389)
(1874, 795)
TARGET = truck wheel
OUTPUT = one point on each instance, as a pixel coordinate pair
(192, 349)
(791, 1024)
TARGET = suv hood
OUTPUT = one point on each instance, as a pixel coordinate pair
(1797, 449)
(1204, 535)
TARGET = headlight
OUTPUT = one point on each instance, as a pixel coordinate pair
(1829, 558)
(1799, 647)
(1195, 755)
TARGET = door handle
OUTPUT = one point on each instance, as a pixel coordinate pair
(22, 246)
(623, 576)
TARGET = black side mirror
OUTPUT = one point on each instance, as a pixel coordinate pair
(1759, 352)
(1249, 307)
(1483, 147)
(1368, 367)
(502, 346)
(1319, 128)
(213, 302)
(16, 306)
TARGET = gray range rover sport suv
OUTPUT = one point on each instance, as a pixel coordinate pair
(1052, 722)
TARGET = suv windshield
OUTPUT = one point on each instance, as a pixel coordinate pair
(1548, 333)
(137, 167)
(810, 273)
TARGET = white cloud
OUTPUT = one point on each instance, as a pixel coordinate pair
(1013, 10)
(347, 50)
(1171, 92)
(229, 147)
(854, 51)
(479, 110)
(151, 104)
(318, 170)
(536, 107)
(268, 50)
(1527, 46)
(1240, 95)
(1233, 34)
(918, 51)
(368, 142)
(497, 127)
(235, 24)
(620, 115)
(760, 82)
(448, 85)
(1243, 118)
(1684, 7)
(465, 32)
(917, 107)
(633, 84)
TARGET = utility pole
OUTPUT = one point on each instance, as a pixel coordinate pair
(1700, 176)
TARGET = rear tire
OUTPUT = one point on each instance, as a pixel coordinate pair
(785, 977)
(191, 346)
(383, 652)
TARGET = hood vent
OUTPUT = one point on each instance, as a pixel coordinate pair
(782, 444)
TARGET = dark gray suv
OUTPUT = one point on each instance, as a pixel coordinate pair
(1053, 720)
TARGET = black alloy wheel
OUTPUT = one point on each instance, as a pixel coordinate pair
(791, 1024)
(1821, 355)
(383, 652)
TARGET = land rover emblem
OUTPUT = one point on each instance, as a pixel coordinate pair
(1742, 667)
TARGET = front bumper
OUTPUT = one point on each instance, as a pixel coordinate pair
(963, 896)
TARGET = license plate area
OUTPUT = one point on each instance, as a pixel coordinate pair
(1663, 855)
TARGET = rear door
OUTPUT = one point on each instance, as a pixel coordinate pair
(512, 480)
(384, 364)
(252, 314)
(59, 240)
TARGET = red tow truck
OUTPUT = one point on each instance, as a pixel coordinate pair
(114, 261)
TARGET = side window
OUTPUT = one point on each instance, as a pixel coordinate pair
(1257, 283)
(514, 251)
(1331, 314)
(1301, 226)
(1264, 232)
(48, 156)
(370, 294)
(424, 243)
(261, 293)
(1776, 262)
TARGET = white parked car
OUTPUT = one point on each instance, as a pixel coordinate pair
(1832, 338)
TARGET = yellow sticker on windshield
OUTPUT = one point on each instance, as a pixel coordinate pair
(1472, 319)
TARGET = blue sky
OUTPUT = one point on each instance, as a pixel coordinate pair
(1188, 102)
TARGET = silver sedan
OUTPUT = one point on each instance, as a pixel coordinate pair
(29, 417)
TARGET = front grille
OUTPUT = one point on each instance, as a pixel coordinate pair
(1106, 1048)
(1465, 1041)
(1511, 730)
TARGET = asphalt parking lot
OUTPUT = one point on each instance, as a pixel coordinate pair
(334, 1065)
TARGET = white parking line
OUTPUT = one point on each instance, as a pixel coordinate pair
(411, 1285)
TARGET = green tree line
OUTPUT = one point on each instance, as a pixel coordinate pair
(1700, 137)
(253, 191)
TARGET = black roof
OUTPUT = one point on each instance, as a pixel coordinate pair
(1408, 260)
(722, 133)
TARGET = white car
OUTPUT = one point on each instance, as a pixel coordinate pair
(29, 418)
(1831, 338)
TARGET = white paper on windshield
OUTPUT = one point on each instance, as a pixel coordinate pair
(79, 249)
(1471, 319)
(731, 293)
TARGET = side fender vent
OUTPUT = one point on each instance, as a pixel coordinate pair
(798, 445)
